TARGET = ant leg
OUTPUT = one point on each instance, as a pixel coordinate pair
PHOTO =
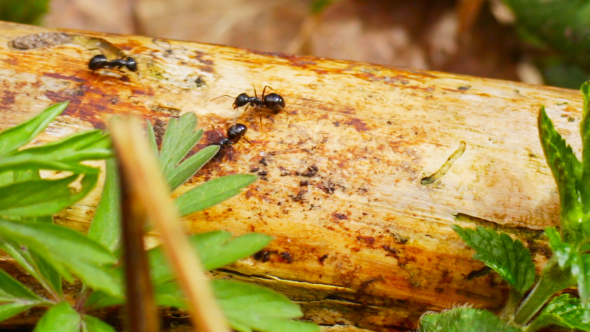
(266, 86)
(247, 140)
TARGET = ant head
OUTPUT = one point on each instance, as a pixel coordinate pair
(274, 101)
(131, 64)
(225, 142)
(241, 100)
(237, 131)
(97, 62)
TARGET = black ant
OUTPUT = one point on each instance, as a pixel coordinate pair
(273, 102)
(234, 134)
(100, 61)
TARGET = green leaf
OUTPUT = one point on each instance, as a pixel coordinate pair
(272, 311)
(61, 317)
(212, 192)
(11, 290)
(180, 137)
(43, 197)
(585, 132)
(190, 166)
(74, 148)
(507, 257)
(560, 24)
(93, 324)
(12, 309)
(23, 11)
(564, 311)
(48, 273)
(566, 170)
(27, 162)
(152, 138)
(216, 249)
(464, 319)
(562, 251)
(581, 270)
(66, 249)
(106, 225)
(15, 137)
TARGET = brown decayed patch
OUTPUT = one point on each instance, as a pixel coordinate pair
(39, 40)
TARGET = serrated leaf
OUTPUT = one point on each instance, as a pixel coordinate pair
(272, 313)
(215, 249)
(15, 137)
(464, 319)
(93, 324)
(66, 249)
(212, 192)
(11, 290)
(585, 182)
(564, 311)
(43, 197)
(61, 317)
(12, 309)
(509, 258)
(562, 251)
(190, 166)
(106, 225)
(581, 271)
(180, 137)
(567, 171)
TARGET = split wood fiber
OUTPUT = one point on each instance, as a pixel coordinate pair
(360, 240)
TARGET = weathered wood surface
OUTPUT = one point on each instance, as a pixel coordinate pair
(359, 239)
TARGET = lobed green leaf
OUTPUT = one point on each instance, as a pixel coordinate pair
(464, 319)
(34, 265)
(180, 137)
(272, 313)
(43, 197)
(61, 317)
(567, 171)
(215, 249)
(509, 258)
(212, 192)
(15, 137)
(93, 324)
(106, 225)
(66, 249)
(152, 139)
(564, 311)
(13, 309)
(190, 166)
(11, 290)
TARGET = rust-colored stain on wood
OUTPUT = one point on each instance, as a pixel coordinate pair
(358, 239)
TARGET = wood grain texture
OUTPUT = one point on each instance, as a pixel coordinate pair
(359, 239)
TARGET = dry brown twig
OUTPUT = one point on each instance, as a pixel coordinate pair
(143, 176)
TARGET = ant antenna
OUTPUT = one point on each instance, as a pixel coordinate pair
(221, 96)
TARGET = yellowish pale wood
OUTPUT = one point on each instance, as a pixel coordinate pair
(359, 240)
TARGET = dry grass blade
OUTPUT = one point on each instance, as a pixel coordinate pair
(146, 181)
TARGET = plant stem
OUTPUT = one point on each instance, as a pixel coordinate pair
(553, 279)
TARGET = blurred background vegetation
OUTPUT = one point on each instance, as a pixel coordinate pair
(535, 41)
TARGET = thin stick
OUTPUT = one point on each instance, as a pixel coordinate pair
(145, 177)
(142, 313)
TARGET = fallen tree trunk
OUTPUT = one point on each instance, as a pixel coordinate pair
(355, 183)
